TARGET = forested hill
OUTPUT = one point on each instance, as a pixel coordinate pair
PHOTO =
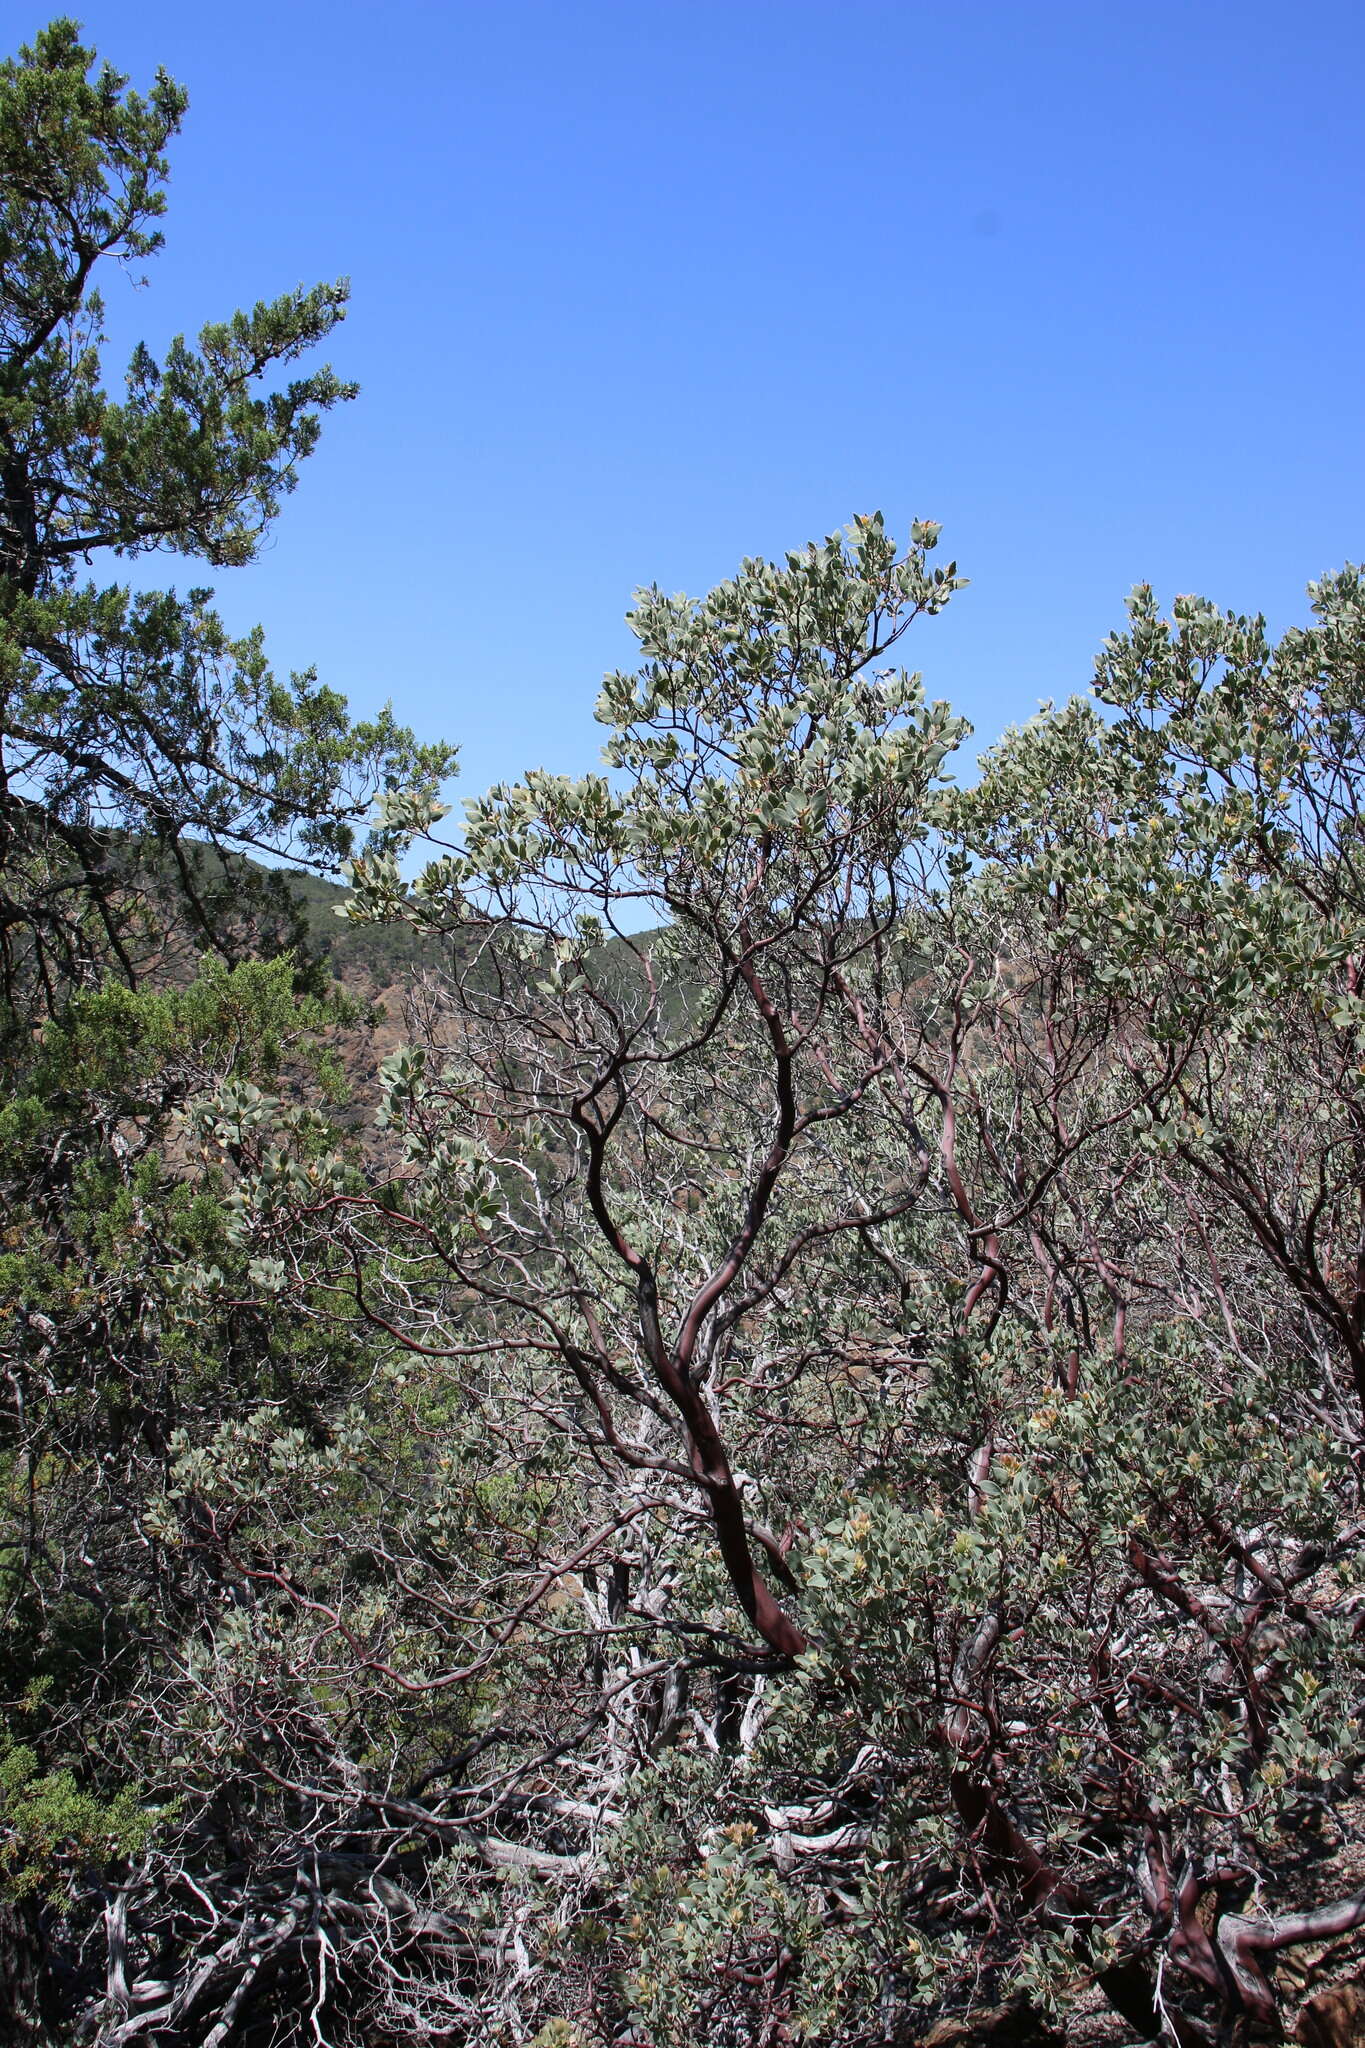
(380, 955)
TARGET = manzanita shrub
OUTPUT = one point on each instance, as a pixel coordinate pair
(869, 1276)
(804, 1482)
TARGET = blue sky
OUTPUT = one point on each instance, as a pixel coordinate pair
(640, 289)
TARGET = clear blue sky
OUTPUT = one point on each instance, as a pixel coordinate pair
(641, 288)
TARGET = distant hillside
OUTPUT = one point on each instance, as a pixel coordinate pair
(383, 954)
(387, 955)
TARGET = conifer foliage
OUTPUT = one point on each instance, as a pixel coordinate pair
(132, 722)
